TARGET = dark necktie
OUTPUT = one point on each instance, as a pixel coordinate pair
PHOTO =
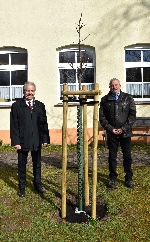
(30, 105)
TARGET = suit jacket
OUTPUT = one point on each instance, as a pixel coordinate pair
(28, 128)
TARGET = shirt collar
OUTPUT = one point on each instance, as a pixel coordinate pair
(27, 102)
(115, 97)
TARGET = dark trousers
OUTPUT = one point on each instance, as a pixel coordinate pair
(22, 161)
(125, 143)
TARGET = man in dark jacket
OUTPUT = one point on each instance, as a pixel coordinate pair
(117, 114)
(29, 132)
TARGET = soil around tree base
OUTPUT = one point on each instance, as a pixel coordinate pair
(75, 216)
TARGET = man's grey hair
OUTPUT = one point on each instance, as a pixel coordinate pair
(29, 84)
(114, 79)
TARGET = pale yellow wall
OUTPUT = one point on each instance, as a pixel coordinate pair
(42, 26)
(4, 119)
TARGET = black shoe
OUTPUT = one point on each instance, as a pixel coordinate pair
(39, 189)
(111, 184)
(21, 193)
(129, 184)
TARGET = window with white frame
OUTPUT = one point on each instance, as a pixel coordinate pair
(69, 61)
(137, 72)
(13, 74)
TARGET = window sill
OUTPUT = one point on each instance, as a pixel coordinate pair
(142, 102)
(71, 104)
(5, 105)
(75, 104)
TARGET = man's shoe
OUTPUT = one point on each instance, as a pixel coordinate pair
(21, 193)
(129, 184)
(111, 184)
(39, 189)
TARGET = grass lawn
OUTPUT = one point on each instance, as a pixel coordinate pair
(30, 218)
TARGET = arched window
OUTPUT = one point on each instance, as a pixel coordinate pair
(69, 67)
(137, 71)
(13, 74)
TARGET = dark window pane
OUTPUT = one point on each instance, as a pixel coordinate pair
(146, 74)
(87, 75)
(67, 76)
(86, 56)
(146, 55)
(4, 59)
(133, 75)
(19, 59)
(18, 77)
(132, 55)
(67, 57)
(4, 78)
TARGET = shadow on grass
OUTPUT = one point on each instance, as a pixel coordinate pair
(9, 176)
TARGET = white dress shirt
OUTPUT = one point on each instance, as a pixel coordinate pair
(31, 101)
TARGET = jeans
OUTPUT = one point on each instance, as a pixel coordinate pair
(113, 142)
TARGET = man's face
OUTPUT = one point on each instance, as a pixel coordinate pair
(115, 87)
(29, 92)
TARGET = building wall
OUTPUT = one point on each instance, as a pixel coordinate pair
(43, 26)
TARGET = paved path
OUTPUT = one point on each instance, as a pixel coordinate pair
(140, 158)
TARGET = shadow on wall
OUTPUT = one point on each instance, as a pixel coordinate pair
(121, 17)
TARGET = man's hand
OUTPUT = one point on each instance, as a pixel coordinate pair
(17, 147)
(44, 144)
(117, 131)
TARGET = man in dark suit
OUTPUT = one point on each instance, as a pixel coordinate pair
(29, 132)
